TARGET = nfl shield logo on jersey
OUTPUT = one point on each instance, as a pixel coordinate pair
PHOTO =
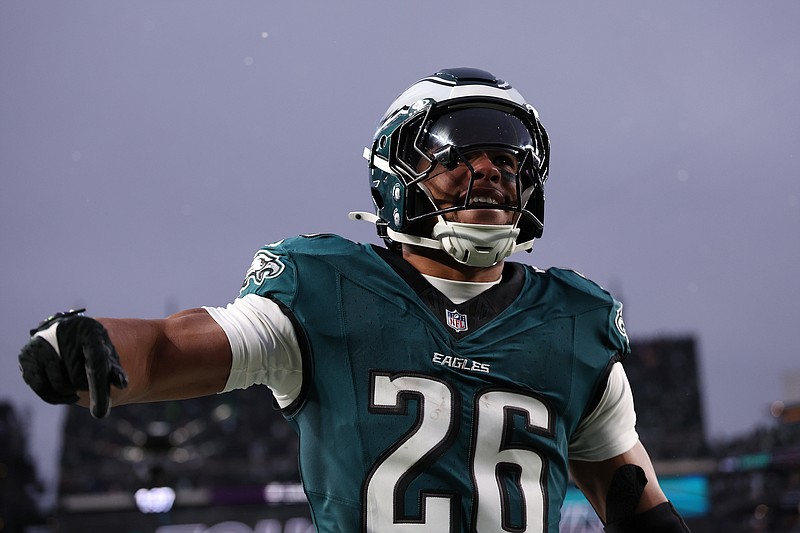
(456, 320)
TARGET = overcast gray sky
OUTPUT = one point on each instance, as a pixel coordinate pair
(148, 148)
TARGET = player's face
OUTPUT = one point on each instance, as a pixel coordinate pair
(494, 184)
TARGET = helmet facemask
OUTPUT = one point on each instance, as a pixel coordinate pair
(437, 156)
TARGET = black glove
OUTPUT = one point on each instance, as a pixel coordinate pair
(69, 352)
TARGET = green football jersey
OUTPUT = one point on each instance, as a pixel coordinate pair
(420, 415)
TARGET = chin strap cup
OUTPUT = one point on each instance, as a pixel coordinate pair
(477, 245)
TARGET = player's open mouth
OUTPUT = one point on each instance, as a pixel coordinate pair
(483, 195)
(483, 200)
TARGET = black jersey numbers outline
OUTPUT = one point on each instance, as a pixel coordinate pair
(500, 465)
(503, 470)
(429, 437)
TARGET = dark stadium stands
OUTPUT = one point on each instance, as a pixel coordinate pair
(19, 485)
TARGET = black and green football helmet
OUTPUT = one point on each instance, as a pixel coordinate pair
(435, 125)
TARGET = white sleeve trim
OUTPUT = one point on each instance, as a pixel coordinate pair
(264, 347)
(611, 428)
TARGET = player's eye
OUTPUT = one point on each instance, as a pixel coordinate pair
(505, 161)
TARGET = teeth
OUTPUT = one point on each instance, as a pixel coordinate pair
(483, 200)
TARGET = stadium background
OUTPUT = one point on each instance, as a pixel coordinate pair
(148, 148)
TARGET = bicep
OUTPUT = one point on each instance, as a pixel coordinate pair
(264, 346)
(610, 429)
(183, 356)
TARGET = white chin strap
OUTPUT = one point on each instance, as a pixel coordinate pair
(477, 245)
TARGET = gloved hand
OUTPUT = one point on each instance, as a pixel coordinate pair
(69, 352)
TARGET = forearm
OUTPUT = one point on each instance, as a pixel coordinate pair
(183, 356)
(594, 479)
(624, 491)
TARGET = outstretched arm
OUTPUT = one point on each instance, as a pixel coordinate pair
(74, 358)
(183, 356)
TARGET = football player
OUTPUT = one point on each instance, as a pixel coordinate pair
(435, 385)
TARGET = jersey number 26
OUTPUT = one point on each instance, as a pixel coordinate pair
(491, 454)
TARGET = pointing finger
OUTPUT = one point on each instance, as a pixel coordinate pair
(97, 377)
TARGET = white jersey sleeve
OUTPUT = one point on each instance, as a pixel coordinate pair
(610, 429)
(264, 347)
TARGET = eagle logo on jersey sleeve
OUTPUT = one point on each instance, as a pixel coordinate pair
(620, 323)
(265, 265)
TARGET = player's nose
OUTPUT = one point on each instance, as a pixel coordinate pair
(484, 167)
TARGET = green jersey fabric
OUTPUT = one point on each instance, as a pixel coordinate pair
(416, 416)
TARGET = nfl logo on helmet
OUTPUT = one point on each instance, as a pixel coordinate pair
(457, 321)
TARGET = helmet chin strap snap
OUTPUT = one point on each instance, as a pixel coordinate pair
(476, 245)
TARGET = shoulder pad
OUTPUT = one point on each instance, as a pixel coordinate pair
(593, 296)
(578, 281)
(274, 266)
(315, 244)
